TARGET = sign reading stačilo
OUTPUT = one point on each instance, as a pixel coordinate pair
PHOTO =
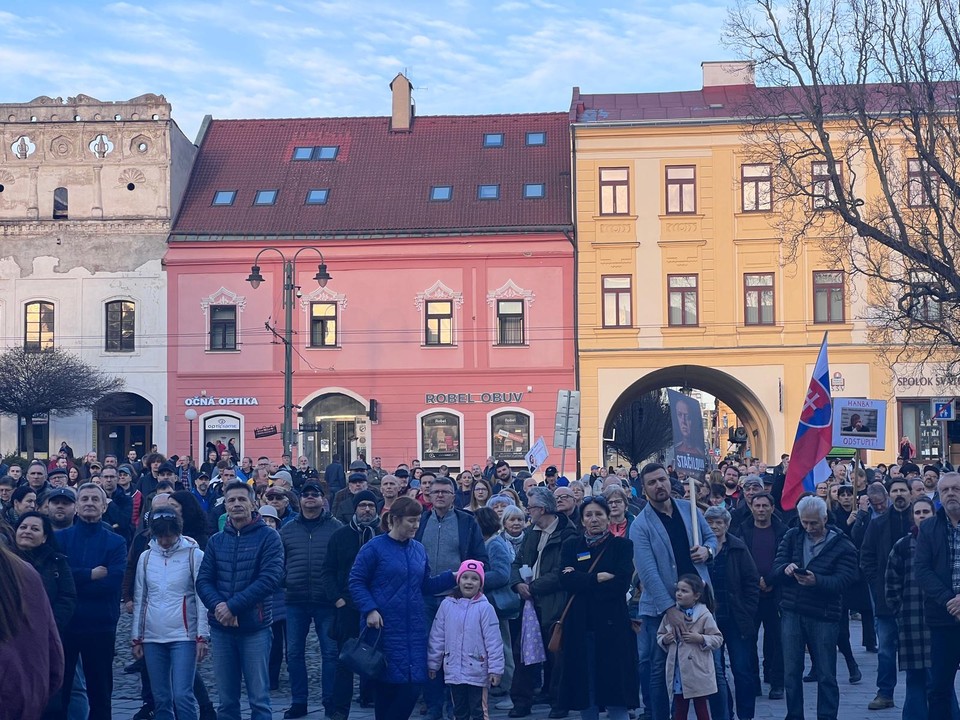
(859, 423)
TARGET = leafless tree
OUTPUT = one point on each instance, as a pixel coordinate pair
(643, 428)
(856, 111)
(55, 382)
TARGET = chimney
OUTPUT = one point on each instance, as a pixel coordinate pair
(727, 72)
(402, 115)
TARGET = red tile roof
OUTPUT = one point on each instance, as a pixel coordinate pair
(380, 181)
(737, 102)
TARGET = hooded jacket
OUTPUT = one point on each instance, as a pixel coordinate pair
(465, 639)
(697, 672)
(166, 607)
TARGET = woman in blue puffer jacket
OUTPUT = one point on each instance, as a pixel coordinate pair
(387, 583)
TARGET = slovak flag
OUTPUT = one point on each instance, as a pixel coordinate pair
(808, 460)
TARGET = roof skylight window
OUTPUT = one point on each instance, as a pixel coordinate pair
(265, 197)
(488, 192)
(536, 138)
(441, 193)
(302, 153)
(327, 152)
(492, 140)
(318, 196)
(534, 191)
(224, 197)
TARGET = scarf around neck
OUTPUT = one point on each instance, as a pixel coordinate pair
(594, 540)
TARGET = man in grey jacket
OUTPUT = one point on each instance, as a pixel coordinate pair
(663, 550)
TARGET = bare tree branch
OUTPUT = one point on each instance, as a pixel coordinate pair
(643, 428)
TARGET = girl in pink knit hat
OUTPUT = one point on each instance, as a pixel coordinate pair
(465, 642)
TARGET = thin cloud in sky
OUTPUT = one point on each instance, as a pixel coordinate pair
(290, 58)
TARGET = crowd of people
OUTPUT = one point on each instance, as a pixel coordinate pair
(628, 591)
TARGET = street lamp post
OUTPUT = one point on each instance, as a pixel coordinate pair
(191, 415)
(290, 289)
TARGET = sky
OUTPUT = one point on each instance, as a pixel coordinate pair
(302, 58)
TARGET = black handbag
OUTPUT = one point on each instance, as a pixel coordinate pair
(364, 658)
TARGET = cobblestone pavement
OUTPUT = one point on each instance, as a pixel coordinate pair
(853, 698)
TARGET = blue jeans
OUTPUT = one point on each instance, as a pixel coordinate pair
(242, 656)
(887, 643)
(743, 661)
(299, 618)
(799, 631)
(78, 707)
(653, 663)
(171, 667)
(643, 667)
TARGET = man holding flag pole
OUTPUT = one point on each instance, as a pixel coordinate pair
(808, 460)
(815, 562)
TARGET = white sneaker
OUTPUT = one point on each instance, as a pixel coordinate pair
(505, 704)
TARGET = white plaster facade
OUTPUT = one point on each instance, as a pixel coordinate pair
(124, 166)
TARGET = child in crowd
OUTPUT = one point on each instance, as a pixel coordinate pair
(465, 640)
(690, 670)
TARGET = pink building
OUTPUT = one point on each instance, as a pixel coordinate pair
(447, 327)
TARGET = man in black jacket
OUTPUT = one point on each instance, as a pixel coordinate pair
(305, 541)
(814, 563)
(762, 534)
(937, 568)
(878, 540)
(345, 544)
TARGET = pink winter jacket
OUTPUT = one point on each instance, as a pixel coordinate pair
(465, 639)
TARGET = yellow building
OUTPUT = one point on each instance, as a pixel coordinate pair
(682, 280)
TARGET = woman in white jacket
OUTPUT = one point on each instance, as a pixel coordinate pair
(170, 628)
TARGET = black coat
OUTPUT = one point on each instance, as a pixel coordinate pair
(933, 570)
(601, 609)
(835, 569)
(342, 550)
(549, 597)
(881, 535)
(305, 550)
(742, 596)
(745, 533)
(57, 581)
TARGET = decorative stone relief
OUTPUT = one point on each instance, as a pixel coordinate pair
(223, 297)
(438, 291)
(140, 145)
(6, 177)
(510, 291)
(101, 146)
(23, 147)
(323, 294)
(131, 176)
(60, 147)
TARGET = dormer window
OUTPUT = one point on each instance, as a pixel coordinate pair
(441, 193)
(265, 197)
(224, 197)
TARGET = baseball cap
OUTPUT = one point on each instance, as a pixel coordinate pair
(753, 481)
(312, 485)
(96, 464)
(269, 511)
(550, 471)
(282, 475)
(167, 467)
(66, 493)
